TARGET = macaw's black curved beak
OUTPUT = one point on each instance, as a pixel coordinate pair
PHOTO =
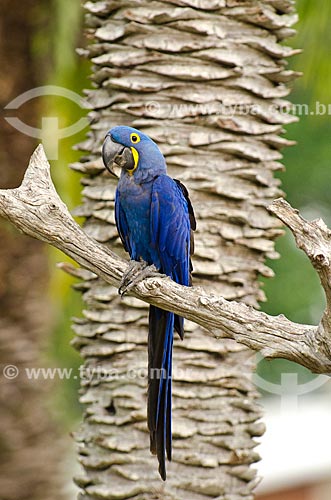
(116, 156)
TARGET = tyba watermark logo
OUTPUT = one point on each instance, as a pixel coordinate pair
(49, 132)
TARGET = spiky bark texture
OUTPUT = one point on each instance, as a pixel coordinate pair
(206, 80)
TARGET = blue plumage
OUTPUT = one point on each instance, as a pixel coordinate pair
(155, 220)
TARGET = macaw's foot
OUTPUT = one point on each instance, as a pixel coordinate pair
(137, 272)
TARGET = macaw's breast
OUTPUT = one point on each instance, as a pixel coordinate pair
(135, 200)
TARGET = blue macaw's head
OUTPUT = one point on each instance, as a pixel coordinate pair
(133, 152)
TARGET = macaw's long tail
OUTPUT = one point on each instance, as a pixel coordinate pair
(160, 340)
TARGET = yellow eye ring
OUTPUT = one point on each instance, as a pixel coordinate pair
(134, 138)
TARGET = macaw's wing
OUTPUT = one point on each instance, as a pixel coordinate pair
(122, 225)
(171, 228)
(170, 243)
(193, 223)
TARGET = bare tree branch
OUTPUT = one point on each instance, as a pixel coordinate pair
(36, 209)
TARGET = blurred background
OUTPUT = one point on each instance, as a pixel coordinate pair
(36, 299)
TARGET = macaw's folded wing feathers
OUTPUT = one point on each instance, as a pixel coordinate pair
(193, 223)
(171, 232)
(171, 228)
(184, 190)
(122, 225)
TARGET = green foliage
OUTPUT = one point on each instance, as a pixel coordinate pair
(70, 72)
(314, 36)
(296, 291)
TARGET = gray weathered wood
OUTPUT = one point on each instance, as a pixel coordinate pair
(36, 209)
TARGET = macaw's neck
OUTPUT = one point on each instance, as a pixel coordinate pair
(147, 170)
(143, 175)
(151, 163)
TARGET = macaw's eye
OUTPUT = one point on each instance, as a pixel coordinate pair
(134, 138)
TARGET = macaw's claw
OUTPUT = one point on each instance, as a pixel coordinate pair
(137, 272)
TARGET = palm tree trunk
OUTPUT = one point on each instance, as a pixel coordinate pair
(205, 79)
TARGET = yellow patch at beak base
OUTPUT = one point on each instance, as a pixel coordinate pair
(135, 155)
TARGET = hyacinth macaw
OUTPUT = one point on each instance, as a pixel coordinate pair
(155, 220)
